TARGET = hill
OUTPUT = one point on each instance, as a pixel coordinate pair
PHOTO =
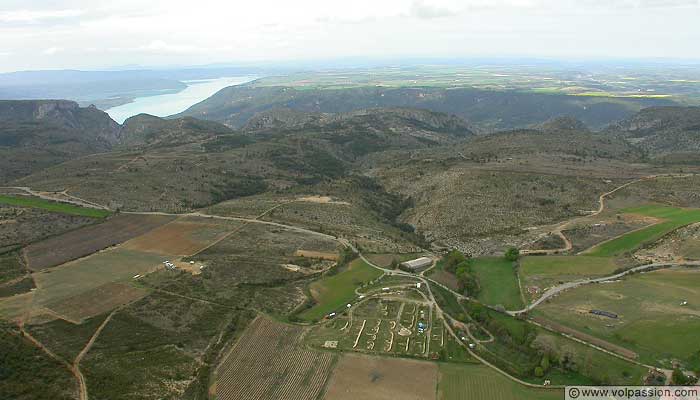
(37, 134)
(487, 110)
(145, 130)
(664, 132)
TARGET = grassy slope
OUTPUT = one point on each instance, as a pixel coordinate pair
(674, 218)
(53, 206)
(499, 284)
(567, 265)
(465, 381)
(332, 292)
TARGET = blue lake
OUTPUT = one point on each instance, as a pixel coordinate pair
(164, 105)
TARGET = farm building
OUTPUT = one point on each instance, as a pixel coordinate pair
(416, 265)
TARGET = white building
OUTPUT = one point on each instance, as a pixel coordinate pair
(418, 264)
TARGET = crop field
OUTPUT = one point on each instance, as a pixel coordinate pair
(183, 237)
(331, 293)
(390, 323)
(20, 225)
(541, 272)
(499, 283)
(85, 241)
(96, 301)
(380, 378)
(673, 218)
(468, 381)
(53, 206)
(269, 362)
(75, 278)
(652, 316)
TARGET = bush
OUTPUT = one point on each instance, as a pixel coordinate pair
(512, 254)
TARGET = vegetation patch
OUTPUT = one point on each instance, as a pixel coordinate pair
(333, 292)
(28, 373)
(53, 206)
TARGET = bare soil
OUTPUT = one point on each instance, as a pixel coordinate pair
(379, 378)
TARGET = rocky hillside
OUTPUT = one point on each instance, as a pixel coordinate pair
(488, 111)
(145, 130)
(662, 131)
(37, 134)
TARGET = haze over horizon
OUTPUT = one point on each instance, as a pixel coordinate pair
(81, 34)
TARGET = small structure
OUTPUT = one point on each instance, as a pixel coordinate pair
(684, 303)
(417, 265)
(604, 313)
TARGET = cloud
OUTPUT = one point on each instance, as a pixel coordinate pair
(419, 9)
(53, 50)
(37, 16)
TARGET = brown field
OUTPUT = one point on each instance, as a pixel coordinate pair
(446, 278)
(78, 277)
(96, 301)
(317, 254)
(183, 237)
(269, 362)
(588, 338)
(379, 378)
(85, 241)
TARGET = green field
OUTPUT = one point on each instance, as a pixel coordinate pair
(53, 206)
(673, 217)
(545, 271)
(651, 320)
(499, 284)
(468, 381)
(333, 292)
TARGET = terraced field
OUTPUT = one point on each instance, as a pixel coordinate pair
(269, 363)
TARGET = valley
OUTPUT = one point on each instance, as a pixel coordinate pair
(256, 247)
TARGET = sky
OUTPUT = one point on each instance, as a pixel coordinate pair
(100, 34)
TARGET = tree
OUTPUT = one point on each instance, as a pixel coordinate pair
(512, 254)
(679, 378)
(545, 363)
(539, 372)
(394, 264)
